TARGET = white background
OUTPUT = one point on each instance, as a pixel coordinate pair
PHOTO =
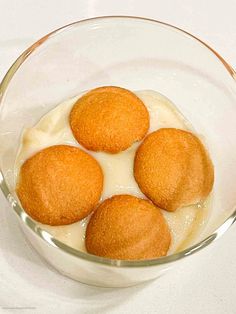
(206, 282)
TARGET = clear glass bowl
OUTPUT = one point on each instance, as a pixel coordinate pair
(135, 53)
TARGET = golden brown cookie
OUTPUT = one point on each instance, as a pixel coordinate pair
(109, 119)
(60, 185)
(129, 228)
(173, 169)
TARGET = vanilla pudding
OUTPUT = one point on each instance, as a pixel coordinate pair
(53, 128)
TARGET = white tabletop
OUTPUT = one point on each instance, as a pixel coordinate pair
(205, 283)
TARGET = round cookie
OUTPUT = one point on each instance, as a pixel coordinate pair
(173, 169)
(109, 119)
(128, 228)
(60, 185)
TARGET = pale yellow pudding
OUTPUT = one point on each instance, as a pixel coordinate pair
(53, 128)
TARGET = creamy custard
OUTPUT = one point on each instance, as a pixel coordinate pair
(53, 128)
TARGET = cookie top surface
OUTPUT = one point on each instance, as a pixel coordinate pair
(109, 119)
(173, 169)
(60, 185)
(129, 228)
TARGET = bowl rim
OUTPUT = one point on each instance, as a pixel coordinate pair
(46, 236)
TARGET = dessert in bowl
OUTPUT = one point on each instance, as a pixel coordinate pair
(187, 222)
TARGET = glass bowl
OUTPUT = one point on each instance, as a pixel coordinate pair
(134, 53)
